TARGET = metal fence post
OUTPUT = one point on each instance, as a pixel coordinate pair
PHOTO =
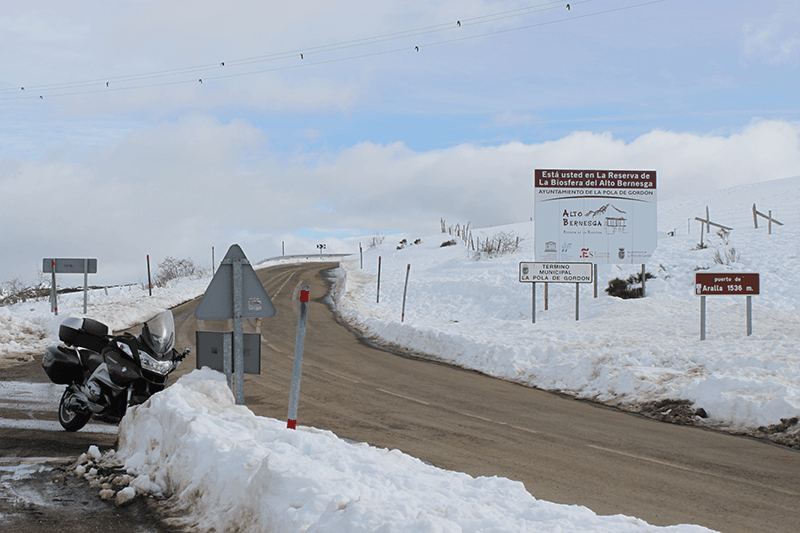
(405, 290)
(749, 315)
(378, 300)
(54, 291)
(149, 281)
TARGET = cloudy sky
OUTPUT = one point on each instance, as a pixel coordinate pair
(166, 127)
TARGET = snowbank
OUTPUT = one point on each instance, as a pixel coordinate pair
(226, 469)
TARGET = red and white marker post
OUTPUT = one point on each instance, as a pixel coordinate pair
(297, 368)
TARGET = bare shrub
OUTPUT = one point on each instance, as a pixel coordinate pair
(15, 291)
(171, 268)
(376, 240)
(499, 244)
(730, 256)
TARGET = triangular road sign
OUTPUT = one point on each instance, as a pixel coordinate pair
(218, 301)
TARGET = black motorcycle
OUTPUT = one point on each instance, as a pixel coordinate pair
(105, 374)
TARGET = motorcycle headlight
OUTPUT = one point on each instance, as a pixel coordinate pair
(153, 365)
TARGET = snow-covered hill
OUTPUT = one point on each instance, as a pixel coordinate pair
(473, 312)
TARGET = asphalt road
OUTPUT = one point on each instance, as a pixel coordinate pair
(563, 450)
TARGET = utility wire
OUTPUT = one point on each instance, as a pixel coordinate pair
(43, 89)
(295, 53)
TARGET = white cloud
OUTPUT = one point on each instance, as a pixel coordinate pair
(179, 188)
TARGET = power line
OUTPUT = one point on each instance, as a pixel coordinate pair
(111, 84)
(295, 53)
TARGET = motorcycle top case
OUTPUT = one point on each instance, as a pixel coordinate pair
(84, 332)
(62, 365)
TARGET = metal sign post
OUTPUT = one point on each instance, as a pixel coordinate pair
(235, 292)
(747, 284)
(238, 330)
(576, 273)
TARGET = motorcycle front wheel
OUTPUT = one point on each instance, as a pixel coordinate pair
(70, 419)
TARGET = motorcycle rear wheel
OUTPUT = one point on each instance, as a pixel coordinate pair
(70, 419)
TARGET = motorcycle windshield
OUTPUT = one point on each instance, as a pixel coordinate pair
(159, 333)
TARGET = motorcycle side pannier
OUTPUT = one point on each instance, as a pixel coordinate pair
(62, 365)
(84, 332)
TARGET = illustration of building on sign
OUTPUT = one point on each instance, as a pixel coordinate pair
(615, 225)
(549, 247)
(612, 225)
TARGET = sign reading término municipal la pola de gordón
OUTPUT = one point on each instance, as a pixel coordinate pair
(597, 216)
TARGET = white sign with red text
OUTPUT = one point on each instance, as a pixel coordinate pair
(598, 216)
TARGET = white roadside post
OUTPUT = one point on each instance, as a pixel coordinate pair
(297, 367)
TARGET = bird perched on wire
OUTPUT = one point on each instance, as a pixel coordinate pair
(416, 48)
(568, 9)
(458, 23)
(301, 56)
(200, 80)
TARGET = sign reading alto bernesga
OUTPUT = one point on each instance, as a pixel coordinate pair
(599, 216)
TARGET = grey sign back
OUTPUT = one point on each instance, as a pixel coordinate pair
(70, 266)
(217, 302)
